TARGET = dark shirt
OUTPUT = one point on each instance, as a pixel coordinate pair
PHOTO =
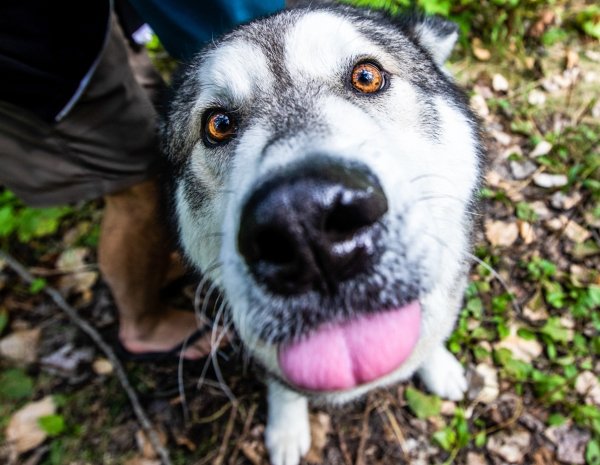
(47, 48)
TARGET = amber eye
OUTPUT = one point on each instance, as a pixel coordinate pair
(220, 126)
(367, 78)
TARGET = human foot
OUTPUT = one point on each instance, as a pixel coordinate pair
(164, 331)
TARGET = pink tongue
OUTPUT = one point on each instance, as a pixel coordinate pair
(353, 353)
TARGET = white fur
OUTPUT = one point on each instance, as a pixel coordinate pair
(410, 166)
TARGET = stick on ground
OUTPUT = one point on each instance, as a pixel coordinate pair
(88, 329)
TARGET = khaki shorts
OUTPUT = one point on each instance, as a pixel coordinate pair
(106, 143)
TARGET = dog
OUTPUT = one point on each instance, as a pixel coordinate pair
(325, 168)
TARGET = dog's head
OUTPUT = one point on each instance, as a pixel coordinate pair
(325, 165)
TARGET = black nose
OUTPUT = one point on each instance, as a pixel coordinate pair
(312, 227)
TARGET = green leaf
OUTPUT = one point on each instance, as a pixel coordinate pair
(15, 385)
(37, 285)
(446, 438)
(556, 419)
(555, 330)
(592, 452)
(3, 320)
(422, 405)
(52, 424)
(7, 221)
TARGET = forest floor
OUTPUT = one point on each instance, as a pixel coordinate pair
(528, 334)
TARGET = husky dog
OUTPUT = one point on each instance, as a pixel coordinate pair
(325, 168)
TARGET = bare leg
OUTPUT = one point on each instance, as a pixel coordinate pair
(134, 259)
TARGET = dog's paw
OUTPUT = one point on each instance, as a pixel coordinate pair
(443, 375)
(287, 444)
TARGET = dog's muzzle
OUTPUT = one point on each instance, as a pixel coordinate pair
(313, 226)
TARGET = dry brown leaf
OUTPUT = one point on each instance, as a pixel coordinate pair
(320, 427)
(522, 349)
(512, 446)
(72, 259)
(526, 232)
(587, 385)
(23, 432)
(576, 233)
(535, 309)
(491, 389)
(475, 459)
(480, 106)
(480, 52)
(21, 346)
(501, 233)
(565, 202)
(571, 59)
(570, 443)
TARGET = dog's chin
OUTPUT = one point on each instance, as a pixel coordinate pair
(344, 357)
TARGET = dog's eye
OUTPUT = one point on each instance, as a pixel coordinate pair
(367, 78)
(220, 127)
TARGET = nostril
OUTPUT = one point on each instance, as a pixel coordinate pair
(353, 212)
(274, 246)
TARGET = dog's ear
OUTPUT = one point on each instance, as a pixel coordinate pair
(437, 35)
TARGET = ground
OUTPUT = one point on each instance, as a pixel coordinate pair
(528, 334)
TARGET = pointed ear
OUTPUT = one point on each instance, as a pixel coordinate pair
(437, 35)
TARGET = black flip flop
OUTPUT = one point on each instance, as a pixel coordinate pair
(170, 355)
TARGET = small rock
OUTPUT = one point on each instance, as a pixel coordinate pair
(501, 137)
(480, 106)
(68, 358)
(522, 169)
(102, 367)
(536, 98)
(565, 202)
(541, 210)
(499, 83)
(511, 447)
(557, 224)
(480, 52)
(550, 180)
(542, 148)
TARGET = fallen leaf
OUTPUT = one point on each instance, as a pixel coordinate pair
(73, 259)
(21, 346)
(526, 232)
(475, 459)
(491, 388)
(23, 432)
(550, 180)
(480, 52)
(535, 309)
(576, 233)
(570, 443)
(562, 201)
(320, 427)
(499, 83)
(510, 446)
(539, 27)
(501, 233)
(68, 358)
(587, 385)
(522, 349)
(522, 169)
(571, 59)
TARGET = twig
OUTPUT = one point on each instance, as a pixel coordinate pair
(344, 448)
(88, 329)
(364, 433)
(245, 432)
(227, 436)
